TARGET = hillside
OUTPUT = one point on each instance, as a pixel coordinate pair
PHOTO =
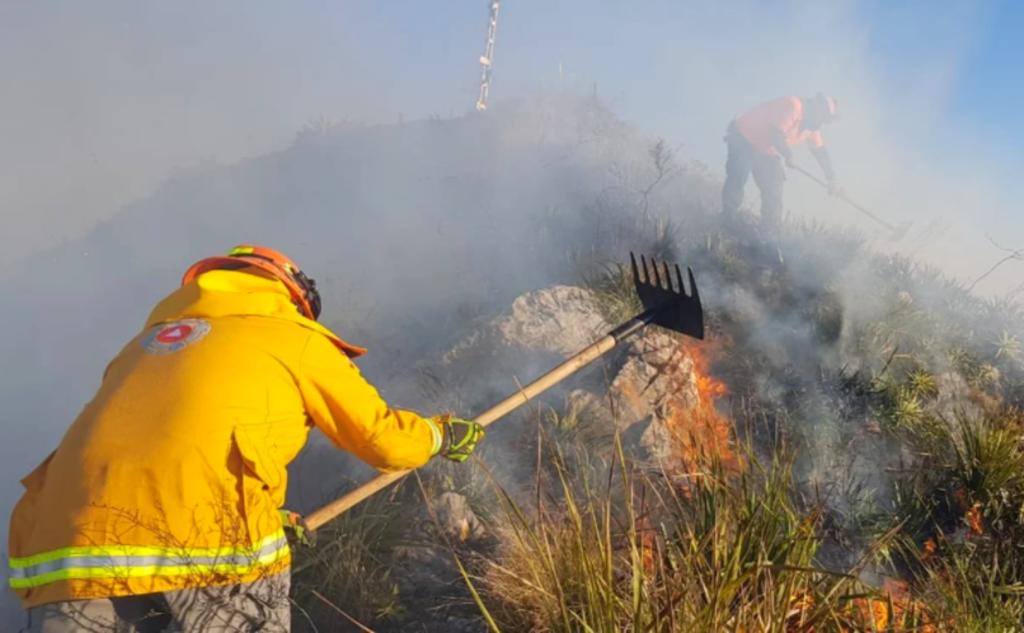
(849, 455)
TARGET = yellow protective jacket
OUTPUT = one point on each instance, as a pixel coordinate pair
(172, 476)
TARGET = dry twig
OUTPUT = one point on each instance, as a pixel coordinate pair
(316, 594)
(1011, 255)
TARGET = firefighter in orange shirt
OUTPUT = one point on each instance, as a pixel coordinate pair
(761, 141)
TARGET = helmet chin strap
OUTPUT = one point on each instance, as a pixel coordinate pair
(306, 283)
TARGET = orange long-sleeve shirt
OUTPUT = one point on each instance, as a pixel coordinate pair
(785, 114)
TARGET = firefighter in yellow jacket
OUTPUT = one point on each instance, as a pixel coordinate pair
(160, 508)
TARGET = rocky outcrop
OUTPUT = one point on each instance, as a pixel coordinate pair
(539, 330)
(657, 374)
(559, 320)
(456, 519)
(655, 386)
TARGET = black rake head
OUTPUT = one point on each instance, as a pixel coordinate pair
(670, 306)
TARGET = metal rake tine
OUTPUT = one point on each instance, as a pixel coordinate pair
(647, 271)
(693, 285)
(657, 275)
(668, 277)
(636, 273)
(679, 279)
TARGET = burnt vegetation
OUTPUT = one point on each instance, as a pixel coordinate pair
(875, 404)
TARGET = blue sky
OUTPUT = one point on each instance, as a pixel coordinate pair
(990, 98)
(987, 96)
(106, 100)
(989, 92)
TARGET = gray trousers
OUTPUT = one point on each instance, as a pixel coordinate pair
(769, 175)
(259, 606)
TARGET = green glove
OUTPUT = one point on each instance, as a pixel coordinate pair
(460, 438)
(296, 529)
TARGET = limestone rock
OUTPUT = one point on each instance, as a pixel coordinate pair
(540, 329)
(456, 519)
(659, 371)
(561, 319)
(655, 381)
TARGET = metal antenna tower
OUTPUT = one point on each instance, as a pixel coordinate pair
(487, 59)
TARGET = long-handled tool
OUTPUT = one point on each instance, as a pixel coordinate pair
(897, 231)
(665, 303)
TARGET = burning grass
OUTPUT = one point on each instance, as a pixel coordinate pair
(740, 549)
(835, 357)
(703, 435)
(629, 549)
(736, 552)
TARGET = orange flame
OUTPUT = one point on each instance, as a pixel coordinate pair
(973, 516)
(975, 521)
(928, 549)
(702, 432)
(702, 435)
(892, 611)
(709, 388)
(705, 428)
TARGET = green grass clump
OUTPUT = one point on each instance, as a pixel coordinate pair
(968, 590)
(614, 292)
(628, 550)
(729, 552)
(961, 517)
(353, 564)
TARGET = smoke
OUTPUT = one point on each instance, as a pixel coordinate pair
(683, 71)
(125, 95)
(103, 103)
(130, 140)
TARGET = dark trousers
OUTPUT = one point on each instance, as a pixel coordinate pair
(769, 175)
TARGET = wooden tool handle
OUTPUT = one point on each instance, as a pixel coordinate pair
(845, 198)
(509, 404)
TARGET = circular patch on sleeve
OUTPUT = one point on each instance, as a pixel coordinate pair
(173, 336)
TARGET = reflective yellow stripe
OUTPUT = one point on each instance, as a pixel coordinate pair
(133, 550)
(437, 436)
(69, 573)
(126, 561)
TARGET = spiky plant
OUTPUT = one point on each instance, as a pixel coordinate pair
(1008, 347)
(922, 384)
(906, 411)
(988, 460)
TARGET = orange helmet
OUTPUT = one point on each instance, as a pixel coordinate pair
(302, 288)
